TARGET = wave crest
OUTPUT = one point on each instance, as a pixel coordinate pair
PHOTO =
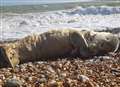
(104, 10)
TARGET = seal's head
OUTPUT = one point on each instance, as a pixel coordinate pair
(102, 42)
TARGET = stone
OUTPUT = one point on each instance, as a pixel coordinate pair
(13, 83)
(43, 80)
(52, 83)
(83, 78)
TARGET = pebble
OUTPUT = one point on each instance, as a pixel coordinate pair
(50, 69)
(13, 83)
(83, 78)
(1, 82)
(43, 80)
(64, 74)
(115, 72)
(30, 78)
(53, 83)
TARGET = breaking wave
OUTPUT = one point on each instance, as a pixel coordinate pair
(104, 10)
(20, 25)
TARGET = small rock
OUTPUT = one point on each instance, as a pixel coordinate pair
(2, 77)
(50, 69)
(83, 78)
(1, 82)
(13, 83)
(90, 84)
(115, 72)
(53, 83)
(42, 80)
(63, 74)
(30, 64)
(105, 58)
(30, 78)
(66, 83)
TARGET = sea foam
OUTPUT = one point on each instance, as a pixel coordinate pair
(17, 26)
(103, 10)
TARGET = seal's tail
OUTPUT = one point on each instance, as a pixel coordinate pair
(6, 60)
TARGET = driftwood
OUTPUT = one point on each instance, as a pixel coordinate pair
(57, 43)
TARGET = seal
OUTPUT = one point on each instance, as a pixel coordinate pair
(58, 43)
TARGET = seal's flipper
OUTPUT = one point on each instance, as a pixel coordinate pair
(80, 42)
(117, 45)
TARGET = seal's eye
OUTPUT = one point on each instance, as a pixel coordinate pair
(102, 45)
(108, 38)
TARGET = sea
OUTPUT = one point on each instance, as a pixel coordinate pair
(19, 21)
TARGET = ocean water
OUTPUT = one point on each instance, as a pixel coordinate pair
(20, 21)
(28, 2)
(51, 6)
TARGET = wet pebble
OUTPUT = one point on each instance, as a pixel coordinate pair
(13, 83)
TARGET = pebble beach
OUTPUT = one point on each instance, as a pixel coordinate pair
(101, 71)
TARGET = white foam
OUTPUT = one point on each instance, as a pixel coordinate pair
(104, 10)
(21, 25)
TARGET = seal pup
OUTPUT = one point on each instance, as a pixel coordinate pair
(58, 43)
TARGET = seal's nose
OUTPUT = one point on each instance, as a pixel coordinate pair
(114, 42)
(110, 43)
